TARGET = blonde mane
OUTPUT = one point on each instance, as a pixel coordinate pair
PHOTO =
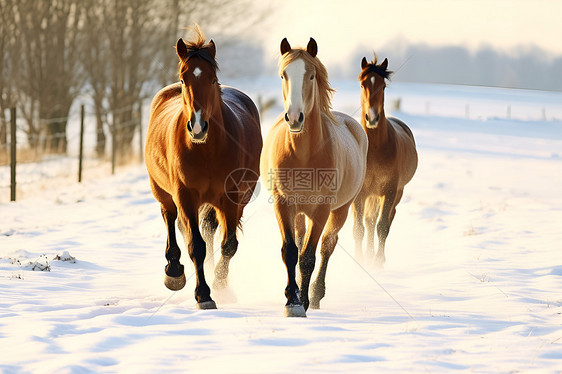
(325, 90)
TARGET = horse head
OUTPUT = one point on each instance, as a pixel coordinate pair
(298, 71)
(373, 82)
(199, 84)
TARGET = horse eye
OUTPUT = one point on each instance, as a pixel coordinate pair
(214, 81)
(282, 77)
(182, 82)
(312, 77)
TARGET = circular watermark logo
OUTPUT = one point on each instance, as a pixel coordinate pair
(239, 186)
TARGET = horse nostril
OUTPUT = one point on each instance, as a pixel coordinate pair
(189, 127)
(377, 117)
(301, 117)
(205, 126)
(286, 116)
(366, 117)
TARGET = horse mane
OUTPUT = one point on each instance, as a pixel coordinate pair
(372, 67)
(198, 48)
(324, 88)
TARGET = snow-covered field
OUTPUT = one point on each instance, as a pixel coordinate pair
(473, 279)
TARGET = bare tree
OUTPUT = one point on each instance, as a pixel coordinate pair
(122, 48)
(130, 51)
(49, 73)
(95, 59)
(217, 17)
(132, 34)
(7, 25)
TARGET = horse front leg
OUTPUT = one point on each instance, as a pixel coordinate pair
(336, 220)
(307, 258)
(197, 251)
(174, 277)
(384, 222)
(285, 214)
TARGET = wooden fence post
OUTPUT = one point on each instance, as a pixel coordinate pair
(81, 150)
(113, 145)
(13, 154)
(140, 133)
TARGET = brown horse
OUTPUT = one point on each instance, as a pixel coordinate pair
(391, 162)
(315, 160)
(202, 154)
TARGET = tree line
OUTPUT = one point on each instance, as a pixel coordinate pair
(115, 51)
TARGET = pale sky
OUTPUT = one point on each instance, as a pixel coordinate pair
(340, 27)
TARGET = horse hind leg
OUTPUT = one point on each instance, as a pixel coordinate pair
(300, 232)
(209, 227)
(229, 246)
(300, 229)
(335, 222)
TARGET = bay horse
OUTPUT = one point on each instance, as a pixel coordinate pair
(200, 135)
(391, 163)
(316, 161)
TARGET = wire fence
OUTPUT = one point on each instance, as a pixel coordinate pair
(476, 103)
(29, 164)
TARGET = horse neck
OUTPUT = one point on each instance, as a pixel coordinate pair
(380, 136)
(303, 145)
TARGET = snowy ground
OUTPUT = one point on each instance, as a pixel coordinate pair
(473, 280)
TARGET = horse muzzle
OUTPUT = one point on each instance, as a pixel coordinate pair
(198, 130)
(372, 119)
(295, 125)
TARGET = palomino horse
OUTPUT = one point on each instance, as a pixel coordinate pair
(391, 162)
(315, 160)
(201, 135)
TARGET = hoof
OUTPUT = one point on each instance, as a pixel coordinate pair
(206, 305)
(174, 283)
(294, 311)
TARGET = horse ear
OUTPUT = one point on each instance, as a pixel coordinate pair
(181, 49)
(384, 64)
(312, 47)
(364, 63)
(212, 48)
(285, 46)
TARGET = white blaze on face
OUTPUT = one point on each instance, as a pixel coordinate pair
(372, 114)
(197, 72)
(295, 77)
(197, 125)
(373, 81)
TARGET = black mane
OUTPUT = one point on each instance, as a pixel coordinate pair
(377, 69)
(203, 54)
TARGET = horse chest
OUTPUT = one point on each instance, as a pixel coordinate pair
(381, 157)
(201, 178)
